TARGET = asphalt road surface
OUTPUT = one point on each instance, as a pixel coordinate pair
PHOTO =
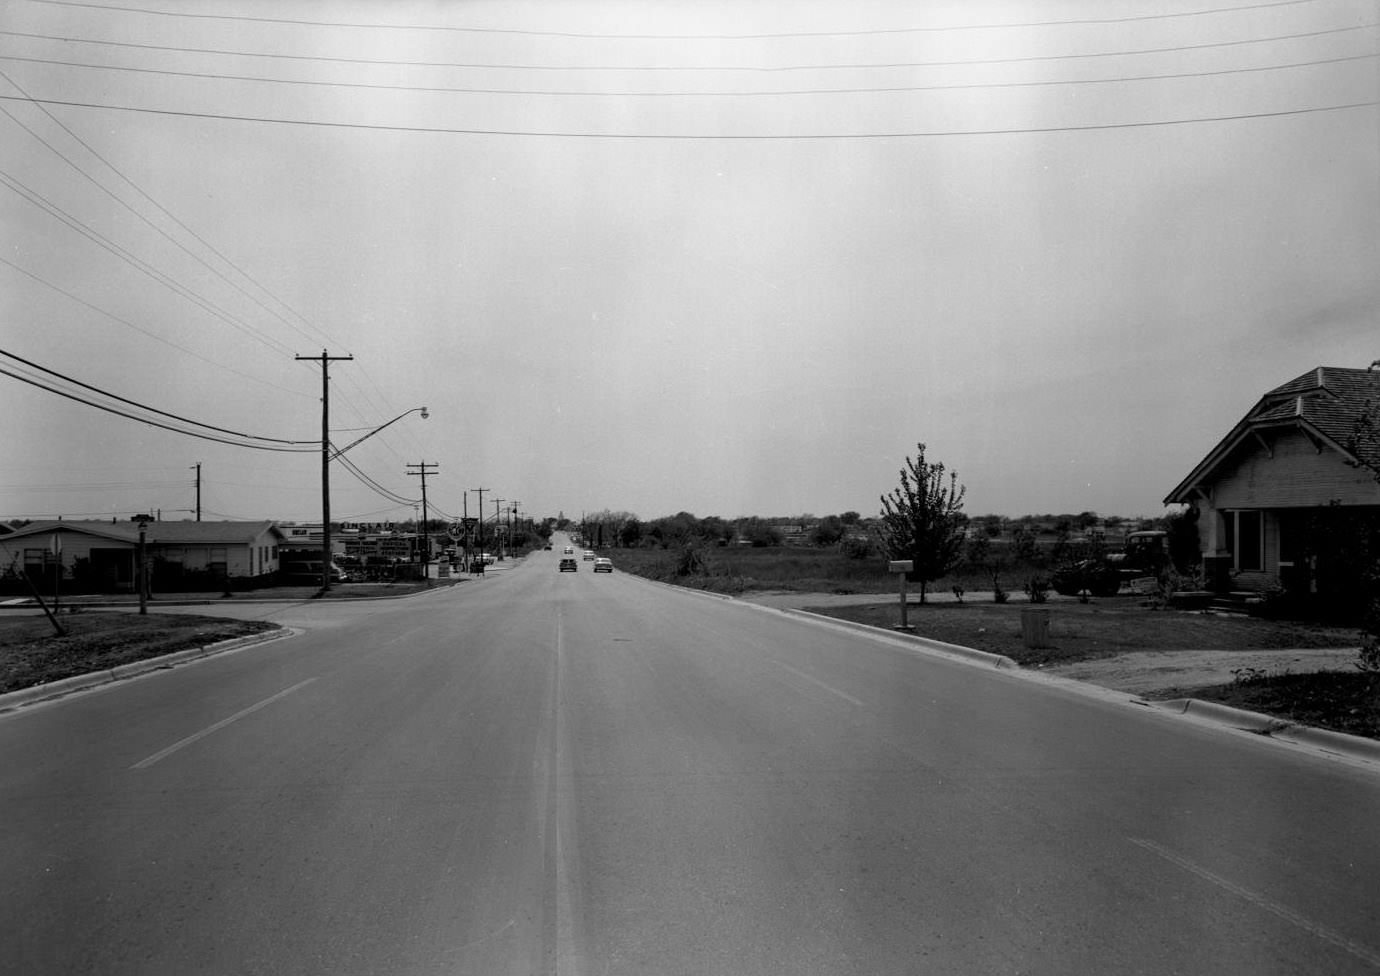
(543, 772)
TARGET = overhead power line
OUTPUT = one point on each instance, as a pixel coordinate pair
(205, 431)
(53, 210)
(139, 328)
(662, 68)
(149, 223)
(373, 485)
(524, 32)
(739, 137)
(756, 93)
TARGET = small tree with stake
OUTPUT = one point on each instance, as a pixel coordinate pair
(922, 519)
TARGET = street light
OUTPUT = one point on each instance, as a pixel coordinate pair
(326, 497)
(371, 433)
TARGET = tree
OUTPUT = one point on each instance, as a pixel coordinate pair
(922, 519)
(828, 532)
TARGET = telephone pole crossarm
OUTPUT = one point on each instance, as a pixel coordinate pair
(422, 469)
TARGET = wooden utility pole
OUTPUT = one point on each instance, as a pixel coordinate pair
(325, 361)
(422, 469)
(481, 527)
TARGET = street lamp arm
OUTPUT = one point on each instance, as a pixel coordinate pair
(377, 429)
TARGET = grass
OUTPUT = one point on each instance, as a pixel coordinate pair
(805, 570)
(1080, 632)
(1337, 700)
(31, 652)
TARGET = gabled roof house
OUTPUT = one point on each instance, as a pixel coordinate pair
(226, 549)
(1293, 462)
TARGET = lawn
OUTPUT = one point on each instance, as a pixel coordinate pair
(32, 653)
(1079, 631)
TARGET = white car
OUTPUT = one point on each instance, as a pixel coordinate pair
(603, 565)
(589, 555)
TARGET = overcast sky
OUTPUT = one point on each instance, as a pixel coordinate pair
(730, 258)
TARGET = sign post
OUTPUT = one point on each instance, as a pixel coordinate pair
(901, 567)
(57, 576)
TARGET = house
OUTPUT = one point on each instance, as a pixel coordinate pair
(102, 555)
(1289, 476)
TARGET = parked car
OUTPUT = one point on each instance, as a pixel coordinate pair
(307, 572)
(570, 564)
(603, 565)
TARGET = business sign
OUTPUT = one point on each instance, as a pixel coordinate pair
(901, 566)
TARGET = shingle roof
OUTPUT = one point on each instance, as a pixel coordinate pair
(161, 533)
(1327, 401)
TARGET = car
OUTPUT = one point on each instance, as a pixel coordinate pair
(487, 558)
(308, 573)
(547, 547)
(570, 550)
(570, 564)
(603, 565)
(589, 554)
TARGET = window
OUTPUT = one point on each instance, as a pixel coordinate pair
(1244, 536)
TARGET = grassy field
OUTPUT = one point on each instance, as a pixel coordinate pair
(737, 570)
(32, 653)
(1078, 632)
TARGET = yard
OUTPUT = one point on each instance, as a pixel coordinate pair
(32, 653)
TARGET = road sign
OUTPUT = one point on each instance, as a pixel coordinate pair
(456, 531)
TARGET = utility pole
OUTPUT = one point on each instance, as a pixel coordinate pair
(198, 490)
(422, 469)
(325, 361)
(481, 525)
(497, 526)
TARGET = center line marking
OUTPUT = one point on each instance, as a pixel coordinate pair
(1357, 949)
(196, 736)
(815, 681)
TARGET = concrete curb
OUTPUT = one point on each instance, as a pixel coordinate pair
(94, 679)
(954, 650)
(1273, 728)
(29, 604)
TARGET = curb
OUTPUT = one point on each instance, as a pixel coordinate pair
(153, 606)
(954, 650)
(1273, 728)
(94, 679)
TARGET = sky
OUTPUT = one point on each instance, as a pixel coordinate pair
(731, 258)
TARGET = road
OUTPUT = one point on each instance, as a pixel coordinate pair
(543, 772)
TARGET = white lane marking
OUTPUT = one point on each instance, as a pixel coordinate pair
(815, 681)
(568, 959)
(196, 736)
(1357, 949)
